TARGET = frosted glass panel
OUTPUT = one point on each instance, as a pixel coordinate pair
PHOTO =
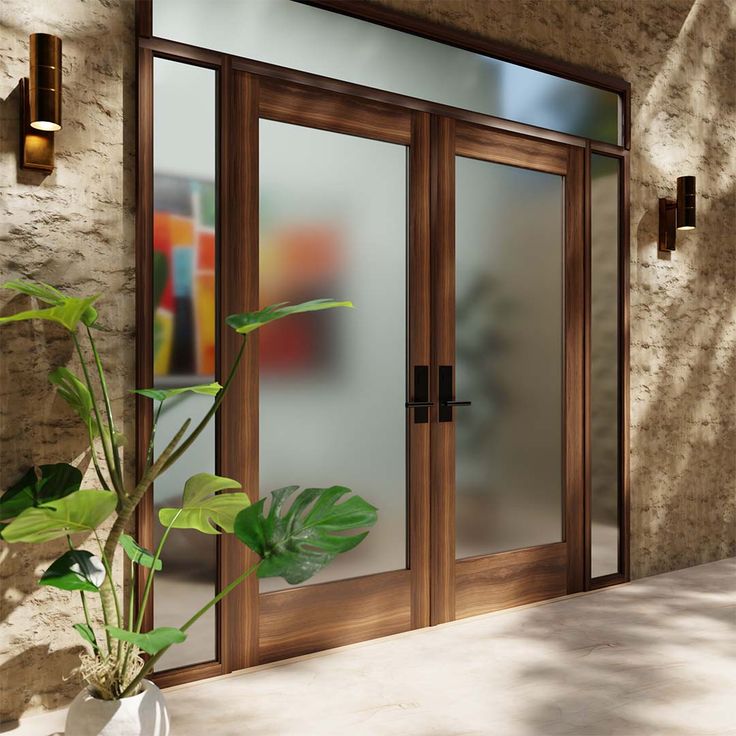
(509, 301)
(310, 39)
(604, 418)
(333, 224)
(184, 333)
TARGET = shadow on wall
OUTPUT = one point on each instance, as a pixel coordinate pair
(683, 333)
(36, 427)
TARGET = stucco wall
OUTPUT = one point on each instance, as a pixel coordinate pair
(75, 228)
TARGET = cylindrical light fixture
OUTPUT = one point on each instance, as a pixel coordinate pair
(685, 202)
(45, 82)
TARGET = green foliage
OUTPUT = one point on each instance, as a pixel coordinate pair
(87, 634)
(48, 294)
(47, 502)
(160, 394)
(76, 569)
(81, 511)
(298, 543)
(152, 642)
(250, 321)
(202, 505)
(68, 315)
(39, 485)
(138, 554)
(76, 394)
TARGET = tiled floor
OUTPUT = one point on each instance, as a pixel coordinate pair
(656, 657)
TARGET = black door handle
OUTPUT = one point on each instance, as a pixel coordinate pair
(446, 391)
(421, 402)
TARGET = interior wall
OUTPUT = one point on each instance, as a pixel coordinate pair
(680, 57)
(74, 228)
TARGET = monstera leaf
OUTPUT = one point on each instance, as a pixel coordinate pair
(152, 642)
(76, 569)
(38, 486)
(139, 555)
(161, 394)
(250, 321)
(298, 543)
(48, 294)
(81, 511)
(202, 505)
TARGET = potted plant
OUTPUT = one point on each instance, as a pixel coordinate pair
(294, 535)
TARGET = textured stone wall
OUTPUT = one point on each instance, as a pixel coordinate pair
(73, 228)
(680, 57)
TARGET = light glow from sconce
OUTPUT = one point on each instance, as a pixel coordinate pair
(45, 125)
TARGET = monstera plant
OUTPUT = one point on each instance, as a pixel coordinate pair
(294, 534)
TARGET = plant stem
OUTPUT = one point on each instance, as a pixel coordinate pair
(88, 621)
(149, 452)
(108, 571)
(96, 463)
(131, 608)
(149, 579)
(134, 498)
(148, 666)
(109, 585)
(100, 428)
(215, 406)
(108, 409)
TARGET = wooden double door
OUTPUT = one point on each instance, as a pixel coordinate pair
(451, 397)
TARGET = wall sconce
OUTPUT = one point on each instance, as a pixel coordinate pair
(677, 215)
(40, 103)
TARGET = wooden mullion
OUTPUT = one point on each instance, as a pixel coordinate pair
(419, 324)
(144, 308)
(574, 320)
(442, 464)
(238, 292)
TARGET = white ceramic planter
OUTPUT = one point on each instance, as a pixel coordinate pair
(144, 714)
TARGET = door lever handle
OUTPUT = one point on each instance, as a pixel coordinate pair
(446, 390)
(421, 402)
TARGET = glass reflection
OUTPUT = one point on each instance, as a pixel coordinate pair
(604, 418)
(294, 35)
(509, 248)
(184, 333)
(333, 223)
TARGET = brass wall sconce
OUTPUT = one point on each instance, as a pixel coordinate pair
(40, 103)
(677, 214)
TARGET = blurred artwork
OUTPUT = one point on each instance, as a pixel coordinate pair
(184, 276)
(299, 259)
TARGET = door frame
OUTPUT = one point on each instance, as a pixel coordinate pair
(235, 608)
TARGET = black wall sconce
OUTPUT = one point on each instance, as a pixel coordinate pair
(40, 103)
(677, 214)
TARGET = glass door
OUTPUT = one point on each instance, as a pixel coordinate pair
(508, 486)
(342, 212)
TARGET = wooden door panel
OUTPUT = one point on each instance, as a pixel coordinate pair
(312, 617)
(328, 615)
(468, 587)
(485, 584)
